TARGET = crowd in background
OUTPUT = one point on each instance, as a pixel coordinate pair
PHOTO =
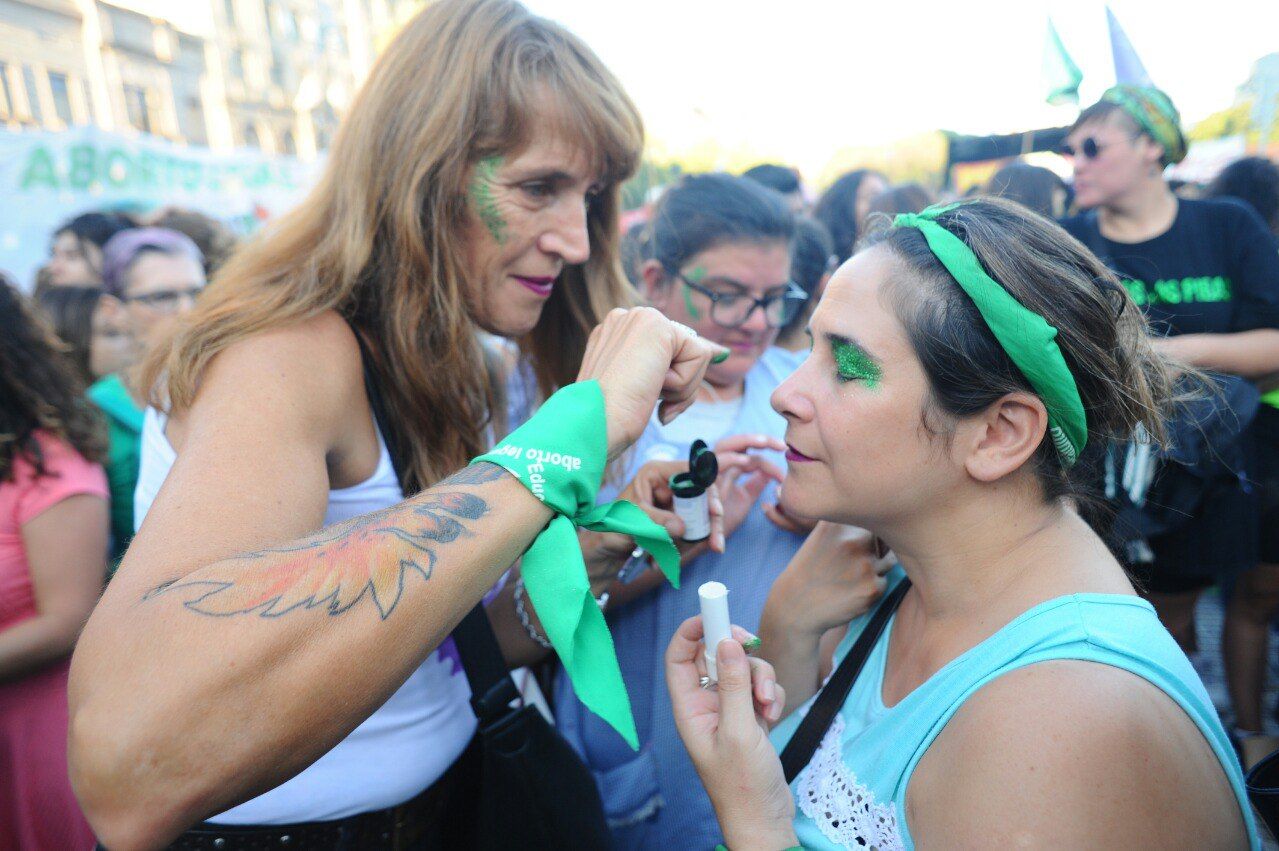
(714, 248)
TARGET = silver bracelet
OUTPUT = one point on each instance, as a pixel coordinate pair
(522, 614)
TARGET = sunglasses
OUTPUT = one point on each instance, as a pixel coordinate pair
(1089, 148)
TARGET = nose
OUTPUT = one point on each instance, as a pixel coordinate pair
(756, 323)
(568, 237)
(186, 302)
(790, 398)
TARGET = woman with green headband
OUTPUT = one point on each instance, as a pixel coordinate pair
(1206, 274)
(1021, 692)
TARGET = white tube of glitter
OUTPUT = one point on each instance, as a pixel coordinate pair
(716, 626)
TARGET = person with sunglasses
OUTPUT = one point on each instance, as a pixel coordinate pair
(150, 276)
(1206, 274)
(719, 261)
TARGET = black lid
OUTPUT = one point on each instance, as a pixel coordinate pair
(703, 466)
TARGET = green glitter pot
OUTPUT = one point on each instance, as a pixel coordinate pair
(853, 364)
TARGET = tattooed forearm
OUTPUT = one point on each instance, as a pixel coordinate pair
(476, 474)
(370, 556)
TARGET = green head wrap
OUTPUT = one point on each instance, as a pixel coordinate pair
(1028, 339)
(1154, 113)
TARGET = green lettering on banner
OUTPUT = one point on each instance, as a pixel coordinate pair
(39, 170)
(83, 161)
(117, 167)
(145, 164)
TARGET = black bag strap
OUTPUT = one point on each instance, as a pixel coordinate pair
(808, 735)
(492, 689)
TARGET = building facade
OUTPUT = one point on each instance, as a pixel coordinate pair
(273, 75)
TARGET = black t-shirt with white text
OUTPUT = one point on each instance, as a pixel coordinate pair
(1215, 271)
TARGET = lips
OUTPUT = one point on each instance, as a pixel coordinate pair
(794, 456)
(540, 286)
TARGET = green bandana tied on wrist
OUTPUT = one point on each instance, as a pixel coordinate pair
(1155, 115)
(1028, 339)
(559, 454)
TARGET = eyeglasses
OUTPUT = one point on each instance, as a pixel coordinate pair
(165, 301)
(733, 310)
(1090, 148)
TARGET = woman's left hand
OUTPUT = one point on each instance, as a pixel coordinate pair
(605, 552)
(726, 734)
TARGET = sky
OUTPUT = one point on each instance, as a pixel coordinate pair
(797, 80)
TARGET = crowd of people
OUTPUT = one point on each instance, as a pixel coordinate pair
(979, 455)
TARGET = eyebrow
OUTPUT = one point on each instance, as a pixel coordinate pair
(738, 285)
(841, 340)
(556, 176)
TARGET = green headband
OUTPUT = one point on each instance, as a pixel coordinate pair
(1154, 113)
(1025, 335)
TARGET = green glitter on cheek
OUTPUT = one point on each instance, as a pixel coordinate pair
(482, 196)
(695, 275)
(854, 364)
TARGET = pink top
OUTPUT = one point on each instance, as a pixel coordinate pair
(24, 497)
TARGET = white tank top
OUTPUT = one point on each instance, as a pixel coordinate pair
(405, 745)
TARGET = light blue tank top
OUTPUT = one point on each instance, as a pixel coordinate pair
(653, 798)
(853, 792)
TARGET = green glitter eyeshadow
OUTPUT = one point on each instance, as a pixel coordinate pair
(853, 364)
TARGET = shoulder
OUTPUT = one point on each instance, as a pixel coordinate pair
(309, 346)
(311, 367)
(66, 473)
(104, 388)
(1229, 213)
(1073, 749)
(1077, 224)
(63, 460)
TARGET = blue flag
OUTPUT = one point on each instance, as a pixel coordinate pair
(1128, 67)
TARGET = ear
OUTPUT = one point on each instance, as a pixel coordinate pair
(1152, 152)
(1005, 437)
(656, 285)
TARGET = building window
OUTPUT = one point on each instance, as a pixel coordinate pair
(61, 97)
(191, 121)
(277, 68)
(251, 136)
(228, 6)
(135, 105)
(33, 97)
(237, 64)
(290, 146)
(6, 99)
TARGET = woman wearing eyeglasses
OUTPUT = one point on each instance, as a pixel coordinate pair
(150, 276)
(720, 249)
(1206, 274)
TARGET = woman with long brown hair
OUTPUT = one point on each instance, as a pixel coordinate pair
(472, 188)
(53, 541)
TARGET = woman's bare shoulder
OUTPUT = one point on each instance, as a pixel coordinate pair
(308, 370)
(1080, 751)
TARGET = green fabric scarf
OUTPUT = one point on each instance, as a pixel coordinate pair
(559, 454)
